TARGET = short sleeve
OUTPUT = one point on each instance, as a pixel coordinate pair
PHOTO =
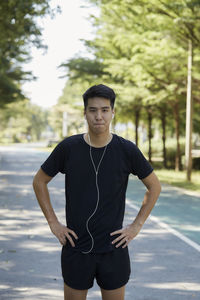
(139, 165)
(57, 160)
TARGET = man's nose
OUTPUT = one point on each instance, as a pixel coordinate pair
(98, 115)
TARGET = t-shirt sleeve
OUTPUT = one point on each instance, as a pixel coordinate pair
(139, 165)
(57, 160)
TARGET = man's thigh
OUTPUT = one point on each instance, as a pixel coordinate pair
(117, 294)
(72, 294)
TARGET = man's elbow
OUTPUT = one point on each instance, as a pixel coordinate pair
(35, 182)
(156, 185)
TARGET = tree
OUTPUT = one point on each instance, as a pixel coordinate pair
(139, 46)
(18, 30)
(72, 103)
(152, 22)
(186, 15)
(145, 58)
(22, 121)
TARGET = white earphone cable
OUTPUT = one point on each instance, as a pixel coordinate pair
(97, 187)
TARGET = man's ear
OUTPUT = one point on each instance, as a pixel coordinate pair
(113, 113)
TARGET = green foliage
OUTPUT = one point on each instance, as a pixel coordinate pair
(141, 50)
(84, 68)
(22, 121)
(72, 103)
(18, 30)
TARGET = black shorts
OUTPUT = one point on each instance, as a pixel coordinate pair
(111, 270)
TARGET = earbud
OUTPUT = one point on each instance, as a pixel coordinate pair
(113, 116)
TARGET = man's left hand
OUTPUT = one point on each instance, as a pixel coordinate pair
(127, 234)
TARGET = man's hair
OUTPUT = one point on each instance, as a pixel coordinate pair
(99, 90)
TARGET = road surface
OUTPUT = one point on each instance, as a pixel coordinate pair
(165, 257)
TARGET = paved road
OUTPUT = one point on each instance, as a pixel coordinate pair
(163, 265)
(176, 207)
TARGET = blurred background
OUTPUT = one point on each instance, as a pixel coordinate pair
(147, 51)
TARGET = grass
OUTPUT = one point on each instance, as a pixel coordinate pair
(178, 179)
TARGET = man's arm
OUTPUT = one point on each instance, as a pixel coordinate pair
(130, 232)
(40, 183)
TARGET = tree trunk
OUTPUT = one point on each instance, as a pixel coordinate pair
(177, 132)
(137, 118)
(163, 122)
(149, 112)
(189, 112)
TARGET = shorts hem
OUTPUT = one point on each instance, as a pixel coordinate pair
(75, 287)
(113, 288)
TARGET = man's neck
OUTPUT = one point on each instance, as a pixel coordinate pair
(98, 140)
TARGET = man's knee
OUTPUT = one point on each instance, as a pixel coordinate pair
(73, 294)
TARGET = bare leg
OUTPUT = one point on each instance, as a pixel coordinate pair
(72, 294)
(117, 294)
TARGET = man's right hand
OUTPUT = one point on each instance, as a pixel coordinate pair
(63, 233)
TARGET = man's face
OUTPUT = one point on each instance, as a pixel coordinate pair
(98, 114)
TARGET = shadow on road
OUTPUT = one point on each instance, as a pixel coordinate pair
(163, 267)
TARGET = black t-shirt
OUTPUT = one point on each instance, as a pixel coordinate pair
(72, 158)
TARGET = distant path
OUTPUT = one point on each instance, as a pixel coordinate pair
(176, 208)
(163, 266)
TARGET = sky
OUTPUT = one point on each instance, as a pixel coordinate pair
(62, 36)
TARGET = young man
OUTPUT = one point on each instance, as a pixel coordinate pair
(96, 167)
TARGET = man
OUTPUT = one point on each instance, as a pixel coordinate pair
(96, 167)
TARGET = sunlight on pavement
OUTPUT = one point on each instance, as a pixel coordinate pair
(6, 265)
(189, 286)
(94, 295)
(143, 257)
(41, 246)
(30, 254)
(191, 227)
(4, 172)
(41, 293)
(4, 286)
